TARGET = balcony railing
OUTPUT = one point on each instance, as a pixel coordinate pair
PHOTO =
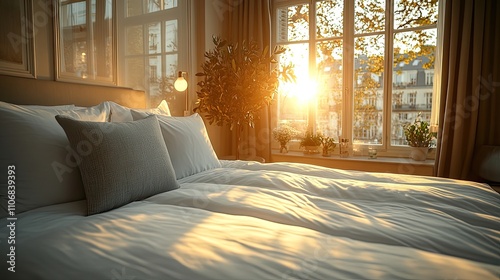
(411, 107)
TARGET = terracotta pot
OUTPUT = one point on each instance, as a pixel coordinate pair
(419, 153)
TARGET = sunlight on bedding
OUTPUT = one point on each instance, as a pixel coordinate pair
(274, 221)
(109, 235)
(198, 249)
(302, 252)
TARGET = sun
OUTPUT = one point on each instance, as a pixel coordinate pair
(303, 90)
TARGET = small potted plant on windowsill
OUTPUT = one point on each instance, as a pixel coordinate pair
(311, 142)
(328, 145)
(283, 134)
(419, 138)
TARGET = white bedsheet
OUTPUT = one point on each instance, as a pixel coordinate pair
(271, 221)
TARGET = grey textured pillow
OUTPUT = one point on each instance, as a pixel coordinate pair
(120, 162)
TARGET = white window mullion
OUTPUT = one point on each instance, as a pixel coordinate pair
(389, 51)
(90, 42)
(348, 62)
(163, 57)
(312, 64)
(145, 51)
(436, 90)
(118, 13)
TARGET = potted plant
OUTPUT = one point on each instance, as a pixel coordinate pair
(311, 142)
(283, 134)
(238, 80)
(328, 145)
(419, 138)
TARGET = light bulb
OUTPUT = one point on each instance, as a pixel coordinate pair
(180, 84)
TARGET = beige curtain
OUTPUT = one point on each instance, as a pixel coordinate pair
(470, 85)
(251, 20)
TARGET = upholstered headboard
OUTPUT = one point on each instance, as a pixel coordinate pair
(26, 91)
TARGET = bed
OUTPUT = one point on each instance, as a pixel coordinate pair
(169, 209)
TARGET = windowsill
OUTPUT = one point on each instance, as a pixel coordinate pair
(379, 159)
(363, 163)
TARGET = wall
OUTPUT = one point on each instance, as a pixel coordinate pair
(44, 39)
(207, 21)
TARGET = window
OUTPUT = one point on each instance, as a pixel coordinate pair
(412, 99)
(428, 100)
(150, 58)
(342, 52)
(429, 77)
(85, 41)
(153, 74)
(397, 100)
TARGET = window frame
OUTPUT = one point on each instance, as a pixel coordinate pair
(21, 39)
(348, 82)
(180, 14)
(63, 76)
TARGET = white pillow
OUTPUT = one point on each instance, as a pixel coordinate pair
(34, 143)
(187, 142)
(121, 113)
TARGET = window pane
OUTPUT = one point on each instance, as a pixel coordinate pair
(329, 110)
(414, 13)
(134, 40)
(154, 69)
(74, 14)
(154, 76)
(293, 99)
(413, 78)
(134, 7)
(134, 73)
(137, 7)
(171, 36)
(161, 87)
(369, 16)
(293, 23)
(329, 18)
(171, 65)
(161, 62)
(176, 100)
(169, 4)
(368, 89)
(85, 38)
(153, 5)
(154, 40)
(158, 5)
(154, 32)
(73, 39)
(103, 39)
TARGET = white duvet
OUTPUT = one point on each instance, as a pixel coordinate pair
(271, 221)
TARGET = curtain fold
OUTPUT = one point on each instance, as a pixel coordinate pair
(250, 20)
(470, 81)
